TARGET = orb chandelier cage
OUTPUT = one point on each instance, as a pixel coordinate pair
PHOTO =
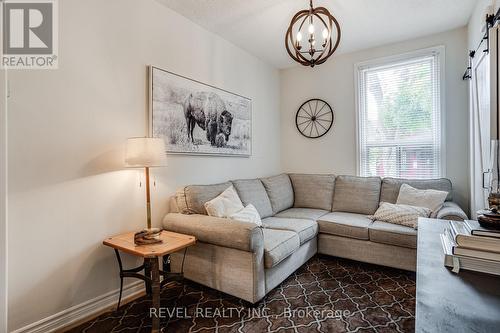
(305, 53)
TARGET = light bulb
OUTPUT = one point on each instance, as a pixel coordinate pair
(311, 28)
(299, 36)
(325, 33)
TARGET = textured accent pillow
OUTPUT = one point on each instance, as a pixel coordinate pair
(400, 214)
(432, 199)
(247, 214)
(225, 204)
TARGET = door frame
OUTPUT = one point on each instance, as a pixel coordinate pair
(491, 47)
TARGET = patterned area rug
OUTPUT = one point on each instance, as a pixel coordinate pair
(326, 294)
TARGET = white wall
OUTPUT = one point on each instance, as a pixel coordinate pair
(334, 82)
(67, 188)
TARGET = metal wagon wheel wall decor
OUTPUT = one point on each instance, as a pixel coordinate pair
(314, 118)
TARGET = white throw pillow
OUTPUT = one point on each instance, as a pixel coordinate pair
(247, 214)
(432, 199)
(400, 214)
(225, 204)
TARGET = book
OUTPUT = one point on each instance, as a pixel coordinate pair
(457, 262)
(462, 236)
(457, 250)
(476, 230)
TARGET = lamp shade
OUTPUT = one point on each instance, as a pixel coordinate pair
(145, 152)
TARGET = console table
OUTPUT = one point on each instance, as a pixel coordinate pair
(448, 302)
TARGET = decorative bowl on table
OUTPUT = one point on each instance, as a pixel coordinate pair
(489, 219)
(148, 236)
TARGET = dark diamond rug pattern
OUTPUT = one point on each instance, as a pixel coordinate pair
(326, 294)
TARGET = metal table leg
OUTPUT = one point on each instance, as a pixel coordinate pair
(168, 276)
(147, 273)
(151, 279)
(129, 273)
(155, 288)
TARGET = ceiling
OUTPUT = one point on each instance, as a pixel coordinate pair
(259, 26)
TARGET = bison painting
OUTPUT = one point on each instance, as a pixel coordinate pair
(196, 118)
(194, 114)
(209, 112)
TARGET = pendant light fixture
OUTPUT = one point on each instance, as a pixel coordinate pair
(302, 41)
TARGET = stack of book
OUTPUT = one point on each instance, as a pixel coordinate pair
(469, 246)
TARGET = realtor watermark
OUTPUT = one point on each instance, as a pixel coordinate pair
(315, 313)
(239, 312)
(29, 34)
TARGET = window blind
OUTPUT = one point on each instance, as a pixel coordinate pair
(399, 124)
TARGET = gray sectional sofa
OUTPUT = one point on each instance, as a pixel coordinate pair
(302, 214)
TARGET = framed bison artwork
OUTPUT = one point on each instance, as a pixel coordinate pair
(196, 118)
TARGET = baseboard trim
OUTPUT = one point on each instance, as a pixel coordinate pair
(78, 313)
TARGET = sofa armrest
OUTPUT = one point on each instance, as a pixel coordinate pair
(451, 211)
(219, 231)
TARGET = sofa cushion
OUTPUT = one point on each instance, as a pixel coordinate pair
(393, 234)
(313, 191)
(278, 245)
(303, 213)
(306, 229)
(280, 192)
(251, 191)
(190, 199)
(356, 194)
(345, 224)
(390, 187)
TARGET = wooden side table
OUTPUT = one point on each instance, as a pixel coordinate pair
(172, 242)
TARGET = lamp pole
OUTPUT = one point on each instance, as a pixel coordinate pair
(148, 199)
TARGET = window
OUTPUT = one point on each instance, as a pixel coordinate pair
(399, 116)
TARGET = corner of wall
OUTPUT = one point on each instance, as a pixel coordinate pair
(3, 201)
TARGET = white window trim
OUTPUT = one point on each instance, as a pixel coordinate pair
(358, 67)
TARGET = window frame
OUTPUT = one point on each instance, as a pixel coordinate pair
(439, 52)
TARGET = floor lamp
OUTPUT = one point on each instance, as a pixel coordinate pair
(145, 152)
